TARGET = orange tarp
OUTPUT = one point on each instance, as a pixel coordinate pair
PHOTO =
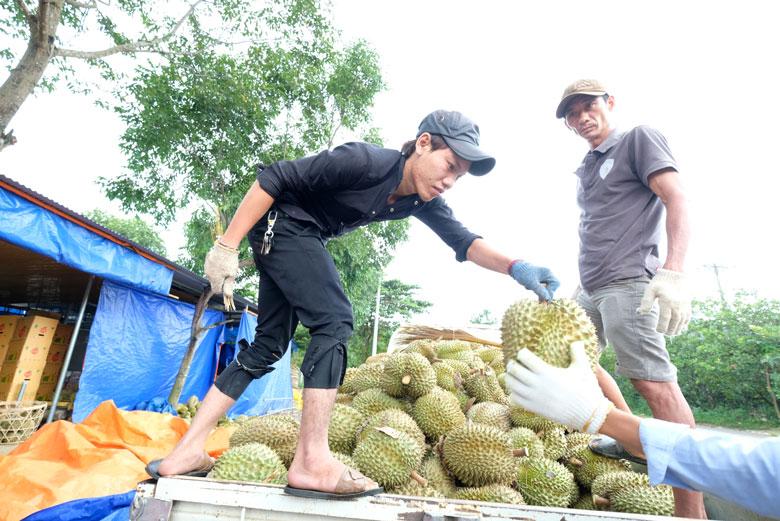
(103, 455)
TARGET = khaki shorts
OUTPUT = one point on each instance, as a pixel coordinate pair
(640, 350)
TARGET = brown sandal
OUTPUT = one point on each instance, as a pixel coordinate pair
(352, 484)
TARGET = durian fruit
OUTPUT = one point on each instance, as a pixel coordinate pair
(450, 348)
(462, 368)
(491, 494)
(447, 377)
(347, 386)
(587, 465)
(501, 377)
(388, 456)
(576, 441)
(424, 347)
(483, 385)
(522, 418)
(377, 358)
(544, 482)
(408, 374)
(250, 462)
(608, 483)
(345, 422)
(657, 501)
(396, 419)
(414, 488)
(367, 376)
(548, 329)
(490, 354)
(437, 413)
(437, 476)
(345, 459)
(278, 431)
(528, 440)
(344, 398)
(584, 502)
(479, 455)
(490, 413)
(554, 443)
(371, 401)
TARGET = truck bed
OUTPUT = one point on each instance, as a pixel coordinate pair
(185, 499)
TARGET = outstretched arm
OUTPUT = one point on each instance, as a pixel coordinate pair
(538, 279)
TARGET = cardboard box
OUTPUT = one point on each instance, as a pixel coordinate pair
(12, 380)
(62, 335)
(7, 327)
(30, 342)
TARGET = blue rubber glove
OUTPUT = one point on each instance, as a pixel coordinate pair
(532, 277)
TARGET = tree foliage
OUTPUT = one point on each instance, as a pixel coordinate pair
(131, 227)
(55, 41)
(729, 358)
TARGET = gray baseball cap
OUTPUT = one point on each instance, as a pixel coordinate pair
(461, 135)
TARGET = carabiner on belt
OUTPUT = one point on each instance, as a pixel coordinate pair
(265, 249)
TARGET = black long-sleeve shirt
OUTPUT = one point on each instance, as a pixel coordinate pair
(348, 187)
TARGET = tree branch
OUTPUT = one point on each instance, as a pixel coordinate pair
(129, 47)
(771, 392)
(82, 5)
(29, 18)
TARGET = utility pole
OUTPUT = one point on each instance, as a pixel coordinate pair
(716, 268)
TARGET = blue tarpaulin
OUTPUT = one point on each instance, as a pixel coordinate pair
(272, 392)
(136, 345)
(30, 226)
(106, 508)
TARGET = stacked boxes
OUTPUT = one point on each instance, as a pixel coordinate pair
(54, 360)
(24, 355)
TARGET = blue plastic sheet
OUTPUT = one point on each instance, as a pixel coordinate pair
(30, 226)
(136, 345)
(106, 508)
(272, 392)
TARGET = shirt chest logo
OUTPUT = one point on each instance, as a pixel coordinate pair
(606, 168)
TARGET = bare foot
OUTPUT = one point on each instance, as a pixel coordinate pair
(181, 460)
(322, 474)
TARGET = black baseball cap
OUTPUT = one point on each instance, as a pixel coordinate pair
(461, 135)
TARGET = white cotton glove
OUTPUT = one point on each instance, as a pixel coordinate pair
(221, 268)
(570, 395)
(674, 301)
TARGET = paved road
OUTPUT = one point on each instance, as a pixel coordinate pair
(741, 432)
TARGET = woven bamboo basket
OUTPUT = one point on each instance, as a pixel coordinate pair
(18, 420)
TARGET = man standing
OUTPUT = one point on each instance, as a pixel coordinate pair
(290, 212)
(627, 183)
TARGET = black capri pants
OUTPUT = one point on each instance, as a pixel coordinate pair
(298, 281)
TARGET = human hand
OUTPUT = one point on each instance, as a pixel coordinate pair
(538, 279)
(674, 301)
(221, 268)
(570, 395)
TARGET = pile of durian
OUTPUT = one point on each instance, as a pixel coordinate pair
(434, 420)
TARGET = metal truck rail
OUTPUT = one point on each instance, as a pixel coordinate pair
(190, 499)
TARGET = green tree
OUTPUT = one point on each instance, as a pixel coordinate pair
(728, 359)
(53, 41)
(131, 227)
(484, 317)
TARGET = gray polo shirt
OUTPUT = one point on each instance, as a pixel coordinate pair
(620, 220)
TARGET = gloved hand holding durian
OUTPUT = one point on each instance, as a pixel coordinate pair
(221, 268)
(569, 395)
(674, 301)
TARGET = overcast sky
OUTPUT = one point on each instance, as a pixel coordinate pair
(704, 73)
